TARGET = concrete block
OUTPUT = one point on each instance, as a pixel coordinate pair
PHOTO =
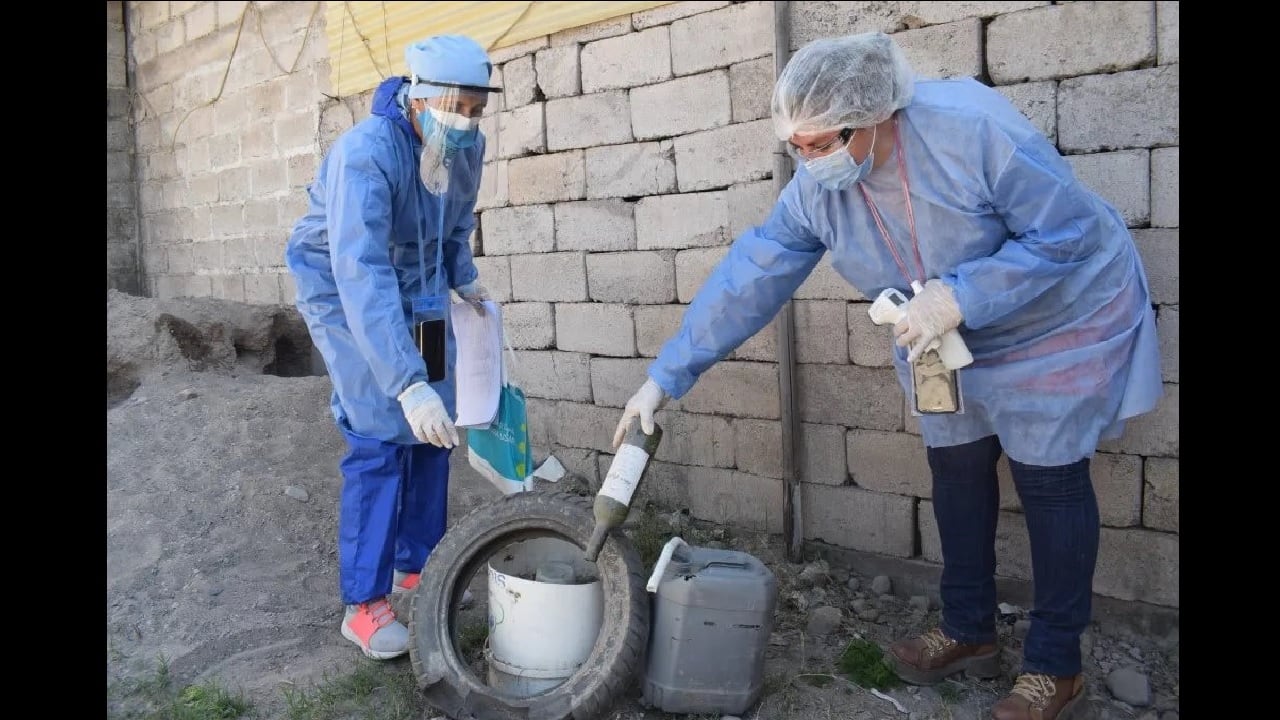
(813, 20)
(506, 53)
(596, 328)
(239, 254)
(193, 158)
(758, 447)
(822, 454)
(722, 37)
(1164, 187)
(655, 324)
(229, 287)
(665, 14)
(297, 131)
(1137, 108)
(870, 345)
(1013, 549)
(736, 498)
(288, 289)
(615, 380)
(201, 21)
(1117, 483)
(690, 439)
(916, 14)
(174, 286)
(824, 283)
(549, 277)
(751, 88)
(950, 50)
(261, 215)
(120, 195)
(1083, 38)
(740, 389)
(856, 397)
(267, 177)
(646, 278)
(203, 189)
(116, 73)
(1167, 31)
(585, 426)
(228, 219)
(224, 151)
(529, 325)
(635, 59)
(170, 36)
(520, 82)
(1122, 178)
(683, 105)
(717, 158)
(607, 28)
(749, 206)
(521, 131)
(1138, 565)
(261, 289)
(693, 267)
(889, 462)
(154, 260)
(587, 120)
(557, 71)
(595, 225)
(180, 259)
(144, 50)
(820, 331)
(546, 178)
(269, 250)
(495, 274)
(858, 519)
(493, 186)
(1160, 494)
(542, 422)
(632, 170)
(1152, 434)
(553, 375)
(1159, 251)
(576, 461)
(1167, 329)
(683, 221)
(1038, 101)
(301, 170)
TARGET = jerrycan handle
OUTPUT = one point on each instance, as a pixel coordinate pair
(663, 560)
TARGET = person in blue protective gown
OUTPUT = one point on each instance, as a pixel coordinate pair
(945, 184)
(383, 241)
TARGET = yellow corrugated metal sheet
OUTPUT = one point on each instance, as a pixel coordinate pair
(367, 39)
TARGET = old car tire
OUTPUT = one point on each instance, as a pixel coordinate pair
(615, 662)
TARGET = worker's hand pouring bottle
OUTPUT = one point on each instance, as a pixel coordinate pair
(613, 502)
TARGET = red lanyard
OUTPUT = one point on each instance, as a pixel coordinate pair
(911, 216)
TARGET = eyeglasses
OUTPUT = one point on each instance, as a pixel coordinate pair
(841, 138)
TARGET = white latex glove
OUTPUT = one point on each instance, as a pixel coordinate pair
(930, 314)
(474, 293)
(643, 404)
(427, 416)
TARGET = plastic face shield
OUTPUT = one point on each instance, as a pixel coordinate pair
(449, 122)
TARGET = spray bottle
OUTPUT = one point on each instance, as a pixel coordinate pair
(613, 502)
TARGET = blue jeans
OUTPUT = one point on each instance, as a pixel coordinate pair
(1061, 512)
(393, 512)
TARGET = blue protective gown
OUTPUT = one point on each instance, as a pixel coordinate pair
(355, 258)
(1057, 313)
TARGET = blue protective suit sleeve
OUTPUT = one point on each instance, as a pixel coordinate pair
(1052, 223)
(458, 261)
(744, 292)
(359, 229)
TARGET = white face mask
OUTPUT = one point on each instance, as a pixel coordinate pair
(453, 121)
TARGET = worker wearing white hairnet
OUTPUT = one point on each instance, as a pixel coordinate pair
(384, 241)
(944, 183)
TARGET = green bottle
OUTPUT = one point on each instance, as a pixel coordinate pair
(613, 502)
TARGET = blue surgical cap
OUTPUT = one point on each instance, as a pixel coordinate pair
(450, 59)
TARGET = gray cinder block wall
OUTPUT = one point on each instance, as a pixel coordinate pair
(123, 271)
(630, 153)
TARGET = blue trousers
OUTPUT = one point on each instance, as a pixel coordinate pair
(1061, 512)
(393, 512)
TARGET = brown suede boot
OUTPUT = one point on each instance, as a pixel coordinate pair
(930, 658)
(1042, 697)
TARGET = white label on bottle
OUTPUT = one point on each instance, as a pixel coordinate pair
(624, 473)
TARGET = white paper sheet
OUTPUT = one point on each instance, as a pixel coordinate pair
(479, 364)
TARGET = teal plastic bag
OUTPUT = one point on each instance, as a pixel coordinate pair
(502, 452)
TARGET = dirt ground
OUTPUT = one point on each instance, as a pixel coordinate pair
(221, 542)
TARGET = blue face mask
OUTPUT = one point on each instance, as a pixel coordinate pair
(838, 171)
(459, 131)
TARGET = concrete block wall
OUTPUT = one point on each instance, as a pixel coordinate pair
(628, 156)
(227, 140)
(123, 271)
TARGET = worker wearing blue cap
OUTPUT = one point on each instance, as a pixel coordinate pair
(384, 240)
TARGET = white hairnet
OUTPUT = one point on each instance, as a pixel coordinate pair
(853, 81)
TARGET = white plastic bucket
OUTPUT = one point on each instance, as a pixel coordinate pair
(541, 632)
